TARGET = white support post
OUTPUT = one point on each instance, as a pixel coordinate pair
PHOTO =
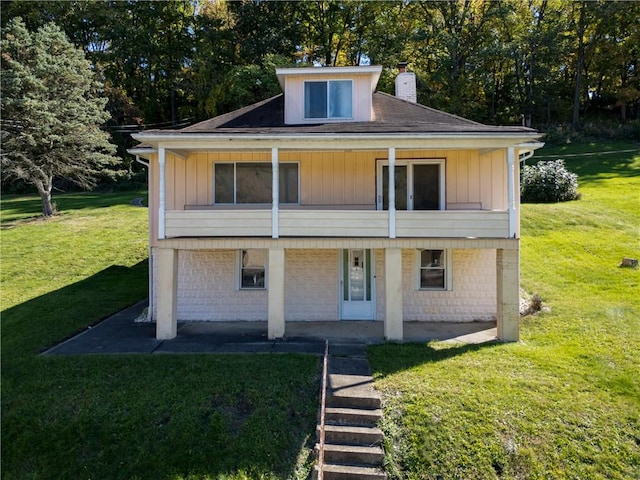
(392, 192)
(167, 320)
(511, 208)
(508, 294)
(275, 189)
(393, 316)
(162, 156)
(275, 320)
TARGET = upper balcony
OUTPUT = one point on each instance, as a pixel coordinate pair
(365, 194)
(345, 221)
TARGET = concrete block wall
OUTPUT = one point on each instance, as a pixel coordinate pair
(311, 285)
(207, 287)
(472, 297)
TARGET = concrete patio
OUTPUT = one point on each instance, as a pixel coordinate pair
(120, 333)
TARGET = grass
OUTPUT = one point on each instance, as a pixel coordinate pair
(128, 416)
(564, 403)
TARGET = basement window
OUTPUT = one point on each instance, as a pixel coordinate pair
(433, 270)
(252, 268)
(331, 99)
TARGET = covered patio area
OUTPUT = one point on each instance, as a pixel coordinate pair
(121, 334)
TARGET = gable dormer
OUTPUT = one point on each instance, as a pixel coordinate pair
(328, 94)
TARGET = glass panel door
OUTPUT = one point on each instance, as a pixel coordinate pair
(419, 185)
(426, 186)
(401, 187)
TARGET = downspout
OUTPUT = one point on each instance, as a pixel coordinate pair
(162, 204)
(142, 162)
(526, 156)
(392, 192)
(150, 260)
(275, 199)
(511, 207)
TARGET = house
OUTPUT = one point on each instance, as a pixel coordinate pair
(333, 201)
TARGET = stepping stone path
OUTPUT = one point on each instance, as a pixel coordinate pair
(353, 441)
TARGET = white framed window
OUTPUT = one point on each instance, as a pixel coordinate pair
(433, 269)
(251, 269)
(332, 99)
(251, 182)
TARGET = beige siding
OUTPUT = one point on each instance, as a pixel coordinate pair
(228, 223)
(450, 224)
(336, 223)
(499, 180)
(335, 178)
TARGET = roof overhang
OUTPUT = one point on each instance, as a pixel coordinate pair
(431, 141)
(143, 152)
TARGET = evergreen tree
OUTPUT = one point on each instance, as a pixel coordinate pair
(52, 109)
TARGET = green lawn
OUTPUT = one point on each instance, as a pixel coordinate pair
(564, 403)
(128, 416)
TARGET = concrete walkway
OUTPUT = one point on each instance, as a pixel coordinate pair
(121, 334)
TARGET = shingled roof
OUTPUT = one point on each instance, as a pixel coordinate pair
(391, 115)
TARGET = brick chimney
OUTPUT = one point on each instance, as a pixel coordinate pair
(406, 84)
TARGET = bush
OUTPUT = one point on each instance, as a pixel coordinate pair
(548, 182)
(593, 130)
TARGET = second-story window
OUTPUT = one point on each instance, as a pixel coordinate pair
(331, 99)
(250, 182)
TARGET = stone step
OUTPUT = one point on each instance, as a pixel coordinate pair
(349, 366)
(349, 472)
(352, 416)
(352, 454)
(354, 398)
(351, 435)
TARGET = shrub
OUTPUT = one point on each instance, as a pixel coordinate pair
(548, 182)
(597, 129)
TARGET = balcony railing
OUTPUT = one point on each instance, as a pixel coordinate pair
(338, 221)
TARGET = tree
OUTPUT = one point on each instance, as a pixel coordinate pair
(52, 110)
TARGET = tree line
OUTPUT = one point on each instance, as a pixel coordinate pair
(537, 62)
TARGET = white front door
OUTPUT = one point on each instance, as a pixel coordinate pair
(356, 285)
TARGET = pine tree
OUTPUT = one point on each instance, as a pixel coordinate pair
(52, 109)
